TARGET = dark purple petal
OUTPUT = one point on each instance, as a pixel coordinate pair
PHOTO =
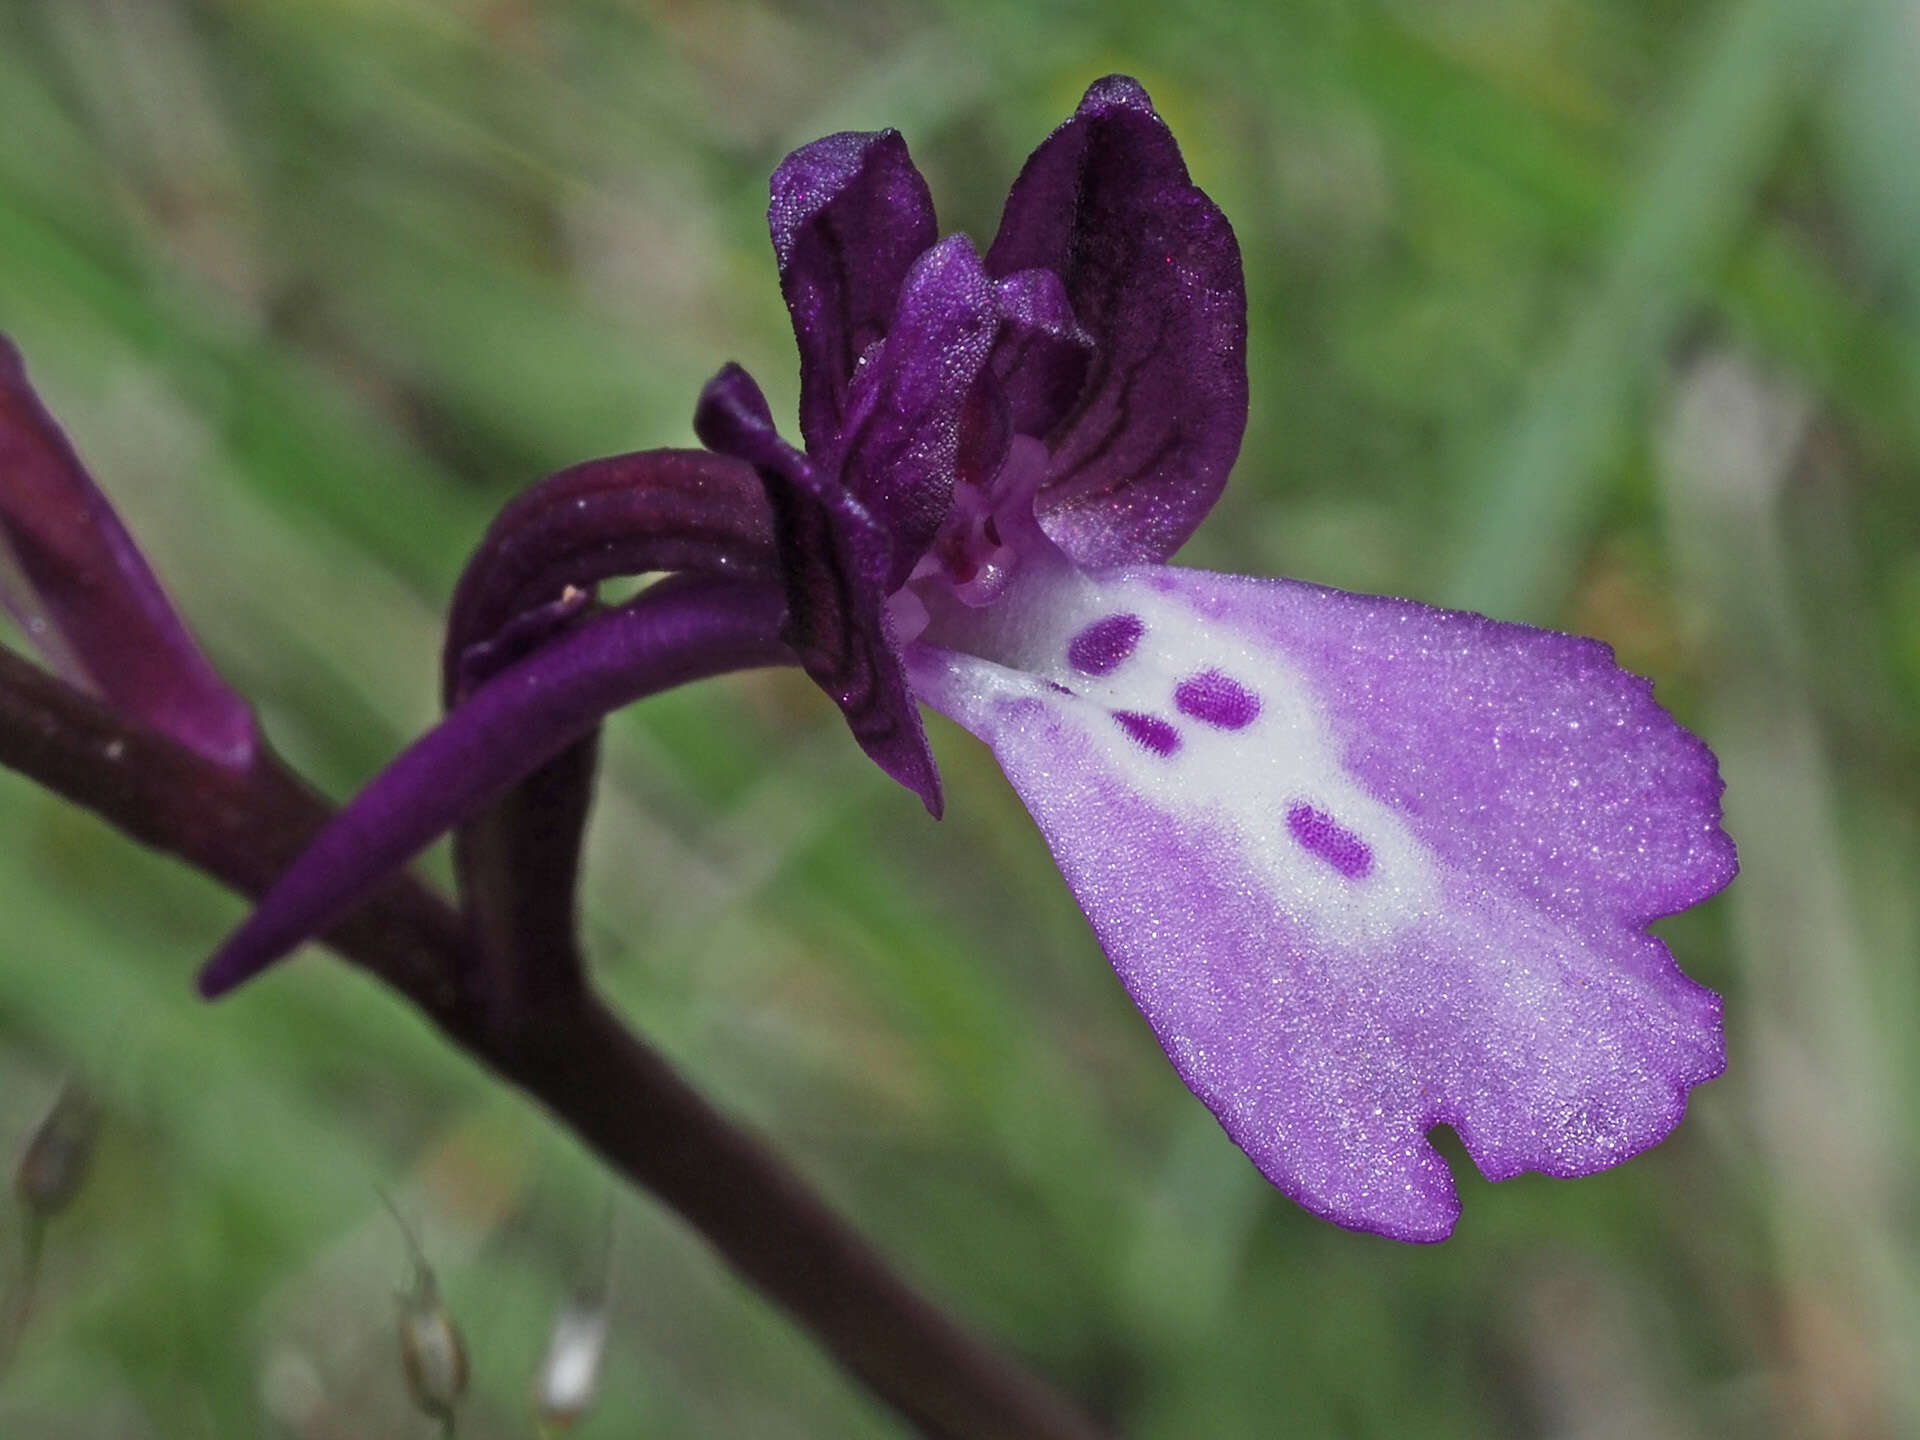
(836, 559)
(1153, 274)
(84, 595)
(1407, 886)
(850, 215)
(1043, 354)
(506, 730)
(917, 416)
(677, 510)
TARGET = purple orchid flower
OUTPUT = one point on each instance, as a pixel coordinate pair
(1365, 866)
(74, 580)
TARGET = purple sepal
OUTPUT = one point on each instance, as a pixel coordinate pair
(1043, 354)
(850, 214)
(503, 732)
(836, 559)
(918, 414)
(1366, 867)
(1152, 272)
(85, 596)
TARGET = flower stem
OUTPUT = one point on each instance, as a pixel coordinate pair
(569, 1052)
(18, 1308)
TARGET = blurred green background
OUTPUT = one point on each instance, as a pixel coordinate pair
(1603, 314)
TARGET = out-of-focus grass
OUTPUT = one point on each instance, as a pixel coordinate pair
(1533, 283)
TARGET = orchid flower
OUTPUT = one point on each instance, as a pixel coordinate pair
(1366, 867)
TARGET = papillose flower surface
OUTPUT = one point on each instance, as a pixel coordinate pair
(1365, 866)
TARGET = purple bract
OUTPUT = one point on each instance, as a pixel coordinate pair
(73, 578)
(1366, 867)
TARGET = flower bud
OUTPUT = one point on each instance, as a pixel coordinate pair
(432, 1354)
(55, 1163)
(431, 1351)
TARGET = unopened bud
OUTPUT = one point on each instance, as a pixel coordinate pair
(569, 1379)
(54, 1165)
(434, 1357)
(431, 1351)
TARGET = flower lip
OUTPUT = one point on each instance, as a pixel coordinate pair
(1365, 867)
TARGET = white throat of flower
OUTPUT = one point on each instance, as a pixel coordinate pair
(1195, 717)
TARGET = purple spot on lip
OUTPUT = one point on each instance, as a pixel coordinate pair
(1150, 730)
(1216, 699)
(1104, 646)
(1326, 837)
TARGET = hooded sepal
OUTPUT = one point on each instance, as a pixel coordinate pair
(1153, 274)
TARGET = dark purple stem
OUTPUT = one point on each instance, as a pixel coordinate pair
(571, 1054)
(518, 871)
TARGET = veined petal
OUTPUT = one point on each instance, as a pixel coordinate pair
(835, 559)
(78, 585)
(1366, 867)
(1153, 274)
(918, 414)
(1043, 354)
(850, 215)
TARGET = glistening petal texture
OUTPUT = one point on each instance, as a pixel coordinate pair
(1153, 273)
(72, 576)
(1043, 353)
(849, 216)
(1366, 867)
(919, 413)
(510, 726)
(835, 560)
